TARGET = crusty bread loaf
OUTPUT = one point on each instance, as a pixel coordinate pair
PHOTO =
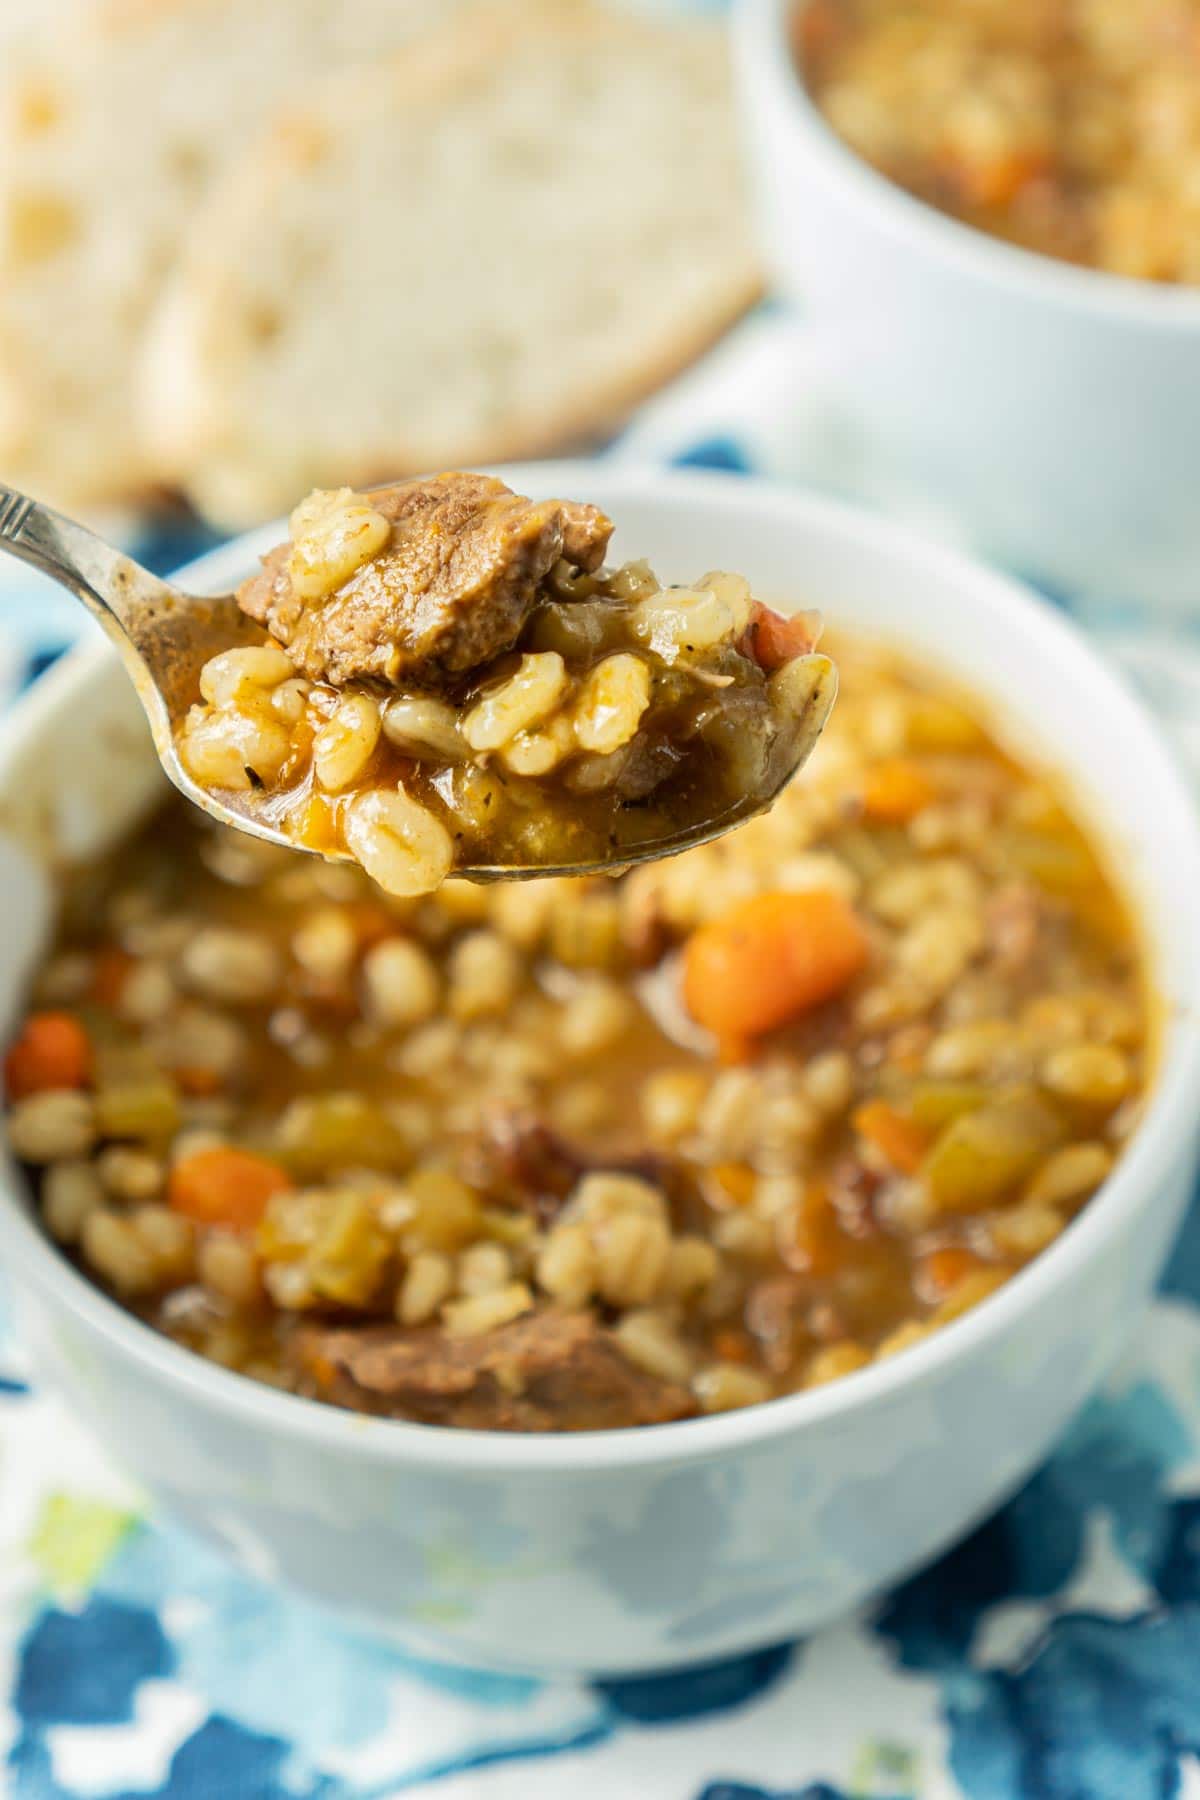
(105, 149)
(493, 246)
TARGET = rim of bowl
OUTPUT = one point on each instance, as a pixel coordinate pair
(760, 29)
(1149, 1158)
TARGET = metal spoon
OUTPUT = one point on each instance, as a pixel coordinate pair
(165, 636)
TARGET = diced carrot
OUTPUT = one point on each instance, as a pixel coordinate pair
(907, 1047)
(732, 1344)
(109, 975)
(225, 1187)
(997, 180)
(315, 824)
(769, 959)
(53, 1051)
(197, 1083)
(773, 639)
(941, 1271)
(810, 1239)
(321, 1368)
(895, 1137)
(984, 180)
(300, 752)
(895, 791)
(731, 1184)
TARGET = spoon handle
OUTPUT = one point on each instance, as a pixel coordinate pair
(105, 580)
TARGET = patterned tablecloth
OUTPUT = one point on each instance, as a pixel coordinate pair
(1055, 1655)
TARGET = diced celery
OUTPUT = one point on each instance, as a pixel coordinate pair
(514, 1229)
(105, 1031)
(288, 1228)
(322, 1132)
(134, 1097)
(1060, 862)
(862, 850)
(581, 628)
(350, 1251)
(445, 1212)
(984, 1155)
(933, 1104)
(333, 1234)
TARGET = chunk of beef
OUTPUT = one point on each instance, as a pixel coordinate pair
(546, 1372)
(448, 593)
(527, 1165)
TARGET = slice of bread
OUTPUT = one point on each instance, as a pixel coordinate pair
(23, 23)
(493, 247)
(106, 146)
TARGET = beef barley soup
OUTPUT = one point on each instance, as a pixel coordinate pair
(453, 680)
(568, 1155)
(1070, 127)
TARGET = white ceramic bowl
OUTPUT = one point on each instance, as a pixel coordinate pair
(1051, 411)
(626, 1550)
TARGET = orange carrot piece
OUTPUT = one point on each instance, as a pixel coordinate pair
(997, 180)
(322, 1369)
(196, 1082)
(53, 1051)
(898, 1139)
(941, 1271)
(732, 1344)
(769, 959)
(225, 1187)
(810, 1239)
(731, 1184)
(895, 791)
(773, 639)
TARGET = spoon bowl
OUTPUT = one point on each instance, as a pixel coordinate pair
(165, 636)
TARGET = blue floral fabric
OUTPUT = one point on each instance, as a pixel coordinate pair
(1055, 1653)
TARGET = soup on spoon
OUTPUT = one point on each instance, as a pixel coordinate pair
(451, 680)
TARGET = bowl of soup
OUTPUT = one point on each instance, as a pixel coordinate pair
(984, 216)
(667, 1261)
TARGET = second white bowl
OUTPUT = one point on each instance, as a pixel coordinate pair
(1051, 413)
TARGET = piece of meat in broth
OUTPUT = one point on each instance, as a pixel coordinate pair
(448, 592)
(545, 1372)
